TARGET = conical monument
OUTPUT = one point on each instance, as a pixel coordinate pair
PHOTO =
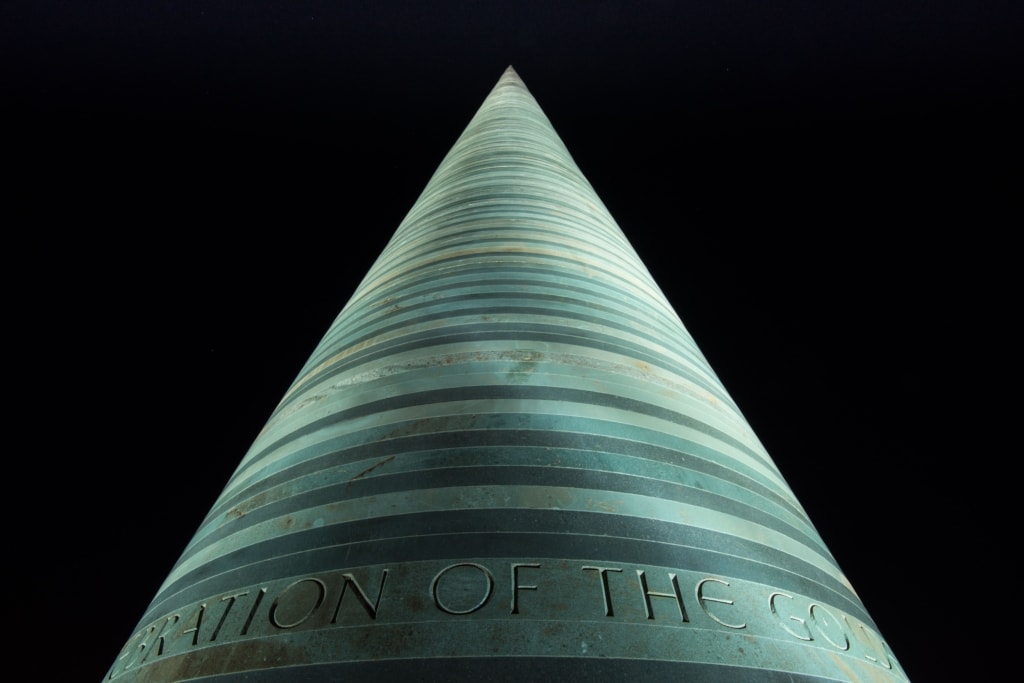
(506, 460)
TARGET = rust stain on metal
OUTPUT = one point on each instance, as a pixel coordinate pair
(385, 461)
(603, 505)
(257, 501)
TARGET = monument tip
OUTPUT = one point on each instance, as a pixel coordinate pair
(511, 76)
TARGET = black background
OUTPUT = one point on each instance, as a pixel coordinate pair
(194, 189)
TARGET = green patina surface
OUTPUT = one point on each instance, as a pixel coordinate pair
(507, 455)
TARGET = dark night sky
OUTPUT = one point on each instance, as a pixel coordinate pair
(197, 187)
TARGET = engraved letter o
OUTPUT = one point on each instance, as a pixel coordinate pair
(321, 591)
(822, 622)
(483, 600)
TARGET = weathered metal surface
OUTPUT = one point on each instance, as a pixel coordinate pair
(507, 459)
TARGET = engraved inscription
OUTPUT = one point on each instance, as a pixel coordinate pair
(701, 599)
(516, 586)
(825, 622)
(199, 623)
(300, 592)
(467, 589)
(839, 632)
(458, 585)
(158, 642)
(364, 600)
(252, 612)
(648, 594)
(138, 651)
(870, 639)
(604, 587)
(803, 633)
(230, 599)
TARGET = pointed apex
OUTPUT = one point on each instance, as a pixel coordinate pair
(510, 77)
